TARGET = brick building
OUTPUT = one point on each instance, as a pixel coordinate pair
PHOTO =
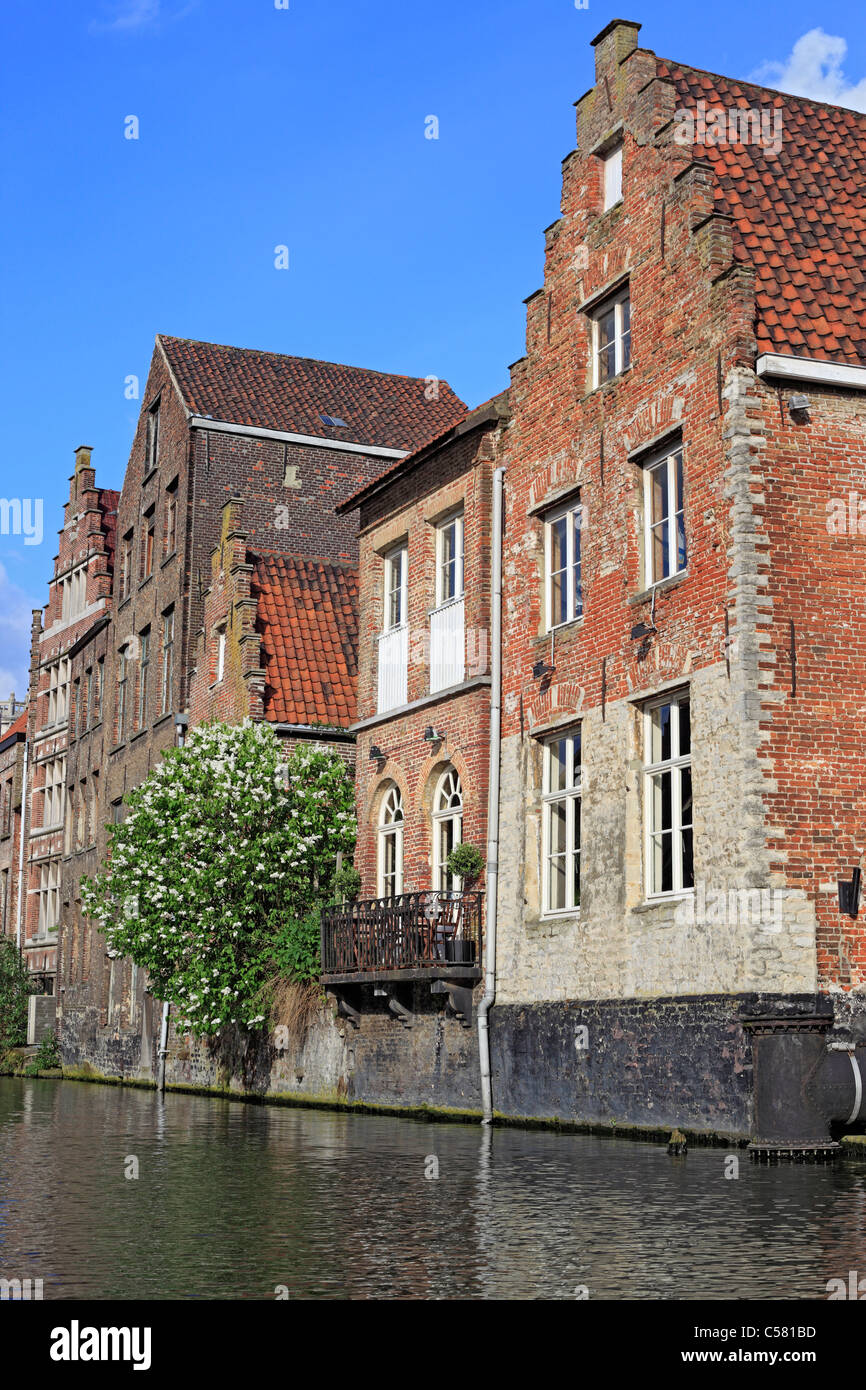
(202, 611)
(423, 715)
(682, 648)
(78, 595)
(12, 804)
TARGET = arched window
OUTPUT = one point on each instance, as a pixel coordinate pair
(447, 829)
(391, 844)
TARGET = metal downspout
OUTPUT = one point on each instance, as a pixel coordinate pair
(492, 802)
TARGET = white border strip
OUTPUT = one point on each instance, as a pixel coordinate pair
(204, 422)
(809, 369)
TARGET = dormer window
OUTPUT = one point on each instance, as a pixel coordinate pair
(612, 173)
(611, 337)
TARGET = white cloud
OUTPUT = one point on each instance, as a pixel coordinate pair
(813, 69)
(131, 16)
(15, 619)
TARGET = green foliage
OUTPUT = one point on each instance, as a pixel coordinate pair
(225, 851)
(46, 1058)
(14, 992)
(296, 954)
(466, 862)
(347, 884)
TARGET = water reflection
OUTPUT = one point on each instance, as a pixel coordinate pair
(235, 1200)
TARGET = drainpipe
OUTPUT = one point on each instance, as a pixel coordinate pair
(24, 804)
(806, 1090)
(492, 802)
(180, 726)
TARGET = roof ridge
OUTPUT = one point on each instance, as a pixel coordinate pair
(759, 87)
(291, 357)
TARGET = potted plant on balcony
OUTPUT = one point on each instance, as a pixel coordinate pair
(464, 862)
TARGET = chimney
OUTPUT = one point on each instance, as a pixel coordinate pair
(82, 457)
(615, 42)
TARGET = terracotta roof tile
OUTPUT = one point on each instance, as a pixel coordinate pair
(799, 216)
(308, 622)
(266, 390)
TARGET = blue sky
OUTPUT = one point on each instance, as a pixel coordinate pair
(303, 127)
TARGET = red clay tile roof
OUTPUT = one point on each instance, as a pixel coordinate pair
(481, 414)
(266, 390)
(19, 727)
(308, 621)
(799, 217)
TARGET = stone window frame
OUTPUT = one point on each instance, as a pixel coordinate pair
(167, 672)
(221, 638)
(572, 507)
(571, 795)
(144, 664)
(674, 765)
(400, 588)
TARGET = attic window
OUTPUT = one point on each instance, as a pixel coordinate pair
(612, 165)
(333, 422)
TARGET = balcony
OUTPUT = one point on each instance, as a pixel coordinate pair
(393, 669)
(447, 645)
(413, 936)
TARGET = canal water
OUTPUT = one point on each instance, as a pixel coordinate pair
(243, 1201)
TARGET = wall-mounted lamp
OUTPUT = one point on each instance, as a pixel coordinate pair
(798, 405)
(432, 735)
(542, 668)
(376, 754)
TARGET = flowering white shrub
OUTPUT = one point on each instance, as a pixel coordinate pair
(224, 845)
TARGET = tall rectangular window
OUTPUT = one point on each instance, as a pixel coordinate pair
(169, 531)
(668, 796)
(612, 170)
(126, 566)
(561, 792)
(121, 705)
(220, 653)
(167, 659)
(564, 592)
(611, 337)
(143, 677)
(88, 698)
(664, 518)
(147, 538)
(449, 559)
(152, 445)
(396, 567)
(100, 689)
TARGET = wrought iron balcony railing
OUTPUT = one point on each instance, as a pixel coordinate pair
(412, 931)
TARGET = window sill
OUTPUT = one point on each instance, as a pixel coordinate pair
(162, 718)
(566, 914)
(573, 623)
(168, 559)
(124, 602)
(138, 733)
(609, 384)
(662, 587)
(116, 749)
(146, 580)
(662, 899)
(150, 473)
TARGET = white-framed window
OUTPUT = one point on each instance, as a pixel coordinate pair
(561, 795)
(58, 691)
(564, 592)
(391, 844)
(54, 791)
(611, 337)
(447, 829)
(49, 896)
(220, 653)
(668, 796)
(73, 594)
(396, 588)
(449, 559)
(612, 176)
(664, 517)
